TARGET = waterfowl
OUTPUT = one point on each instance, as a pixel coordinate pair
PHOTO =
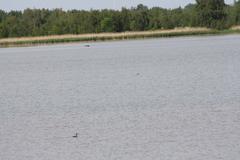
(75, 136)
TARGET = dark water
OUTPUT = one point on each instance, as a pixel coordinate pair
(170, 99)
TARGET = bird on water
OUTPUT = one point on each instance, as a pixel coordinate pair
(75, 136)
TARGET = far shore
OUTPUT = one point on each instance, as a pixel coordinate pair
(52, 39)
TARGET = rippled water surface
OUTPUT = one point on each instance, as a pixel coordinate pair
(168, 99)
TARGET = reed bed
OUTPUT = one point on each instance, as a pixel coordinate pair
(25, 41)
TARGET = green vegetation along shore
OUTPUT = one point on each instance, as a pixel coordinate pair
(28, 41)
(39, 26)
(213, 14)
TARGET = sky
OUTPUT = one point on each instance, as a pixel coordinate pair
(90, 4)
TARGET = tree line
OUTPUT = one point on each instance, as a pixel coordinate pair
(36, 22)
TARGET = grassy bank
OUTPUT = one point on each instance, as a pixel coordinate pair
(28, 41)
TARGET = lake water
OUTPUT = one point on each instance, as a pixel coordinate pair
(168, 99)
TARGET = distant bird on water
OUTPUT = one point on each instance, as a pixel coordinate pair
(87, 45)
(75, 136)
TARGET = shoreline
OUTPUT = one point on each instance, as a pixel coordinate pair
(56, 39)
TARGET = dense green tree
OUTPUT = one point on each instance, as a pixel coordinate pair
(125, 19)
(211, 13)
(190, 15)
(237, 12)
(107, 25)
(2, 15)
(140, 17)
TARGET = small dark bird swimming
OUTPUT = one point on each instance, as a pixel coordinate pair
(75, 136)
(87, 45)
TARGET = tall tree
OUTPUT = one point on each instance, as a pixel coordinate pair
(211, 13)
(140, 20)
(237, 11)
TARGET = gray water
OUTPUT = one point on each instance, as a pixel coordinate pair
(168, 99)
